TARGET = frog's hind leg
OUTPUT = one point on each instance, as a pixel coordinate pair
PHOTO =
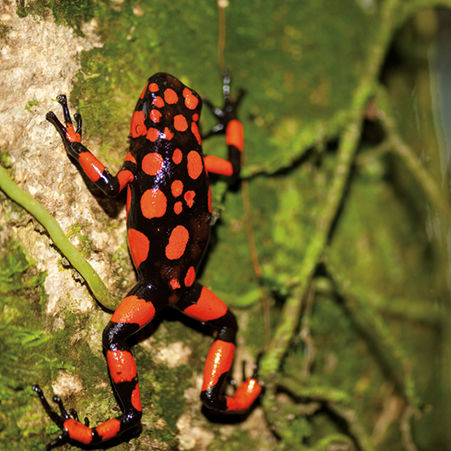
(203, 305)
(135, 311)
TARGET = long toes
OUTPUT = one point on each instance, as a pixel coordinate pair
(58, 400)
(37, 389)
(74, 414)
(62, 99)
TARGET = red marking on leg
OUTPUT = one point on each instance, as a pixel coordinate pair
(189, 198)
(158, 102)
(130, 157)
(177, 156)
(178, 208)
(71, 135)
(78, 431)
(136, 399)
(152, 135)
(244, 397)
(153, 87)
(218, 165)
(190, 276)
(155, 116)
(170, 96)
(177, 188)
(91, 165)
(153, 203)
(180, 123)
(137, 127)
(210, 208)
(195, 131)
(219, 361)
(134, 310)
(168, 134)
(124, 177)
(128, 201)
(122, 366)
(139, 246)
(152, 163)
(195, 165)
(177, 243)
(235, 134)
(109, 429)
(207, 307)
(191, 101)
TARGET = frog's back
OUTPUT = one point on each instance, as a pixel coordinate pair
(168, 202)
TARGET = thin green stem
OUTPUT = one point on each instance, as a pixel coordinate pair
(95, 283)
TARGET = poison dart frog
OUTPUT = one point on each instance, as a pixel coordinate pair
(168, 221)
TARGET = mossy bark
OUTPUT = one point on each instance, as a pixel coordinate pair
(336, 261)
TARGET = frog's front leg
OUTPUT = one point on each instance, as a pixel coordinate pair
(229, 125)
(91, 166)
(203, 305)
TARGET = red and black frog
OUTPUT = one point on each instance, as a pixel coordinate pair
(168, 221)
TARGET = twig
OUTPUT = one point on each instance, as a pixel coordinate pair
(305, 334)
(348, 145)
(356, 429)
(435, 195)
(95, 283)
(407, 441)
(377, 151)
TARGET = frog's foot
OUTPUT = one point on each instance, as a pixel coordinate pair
(64, 420)
(228, 112)
(247, 392)
(68, 133)
(242, 400)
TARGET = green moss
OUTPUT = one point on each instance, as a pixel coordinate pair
(143, 39)
(29, 106)
(4, 31)
(73, 13)
(5, 160)
(173, 382)
(21, 340)
(238, 440)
